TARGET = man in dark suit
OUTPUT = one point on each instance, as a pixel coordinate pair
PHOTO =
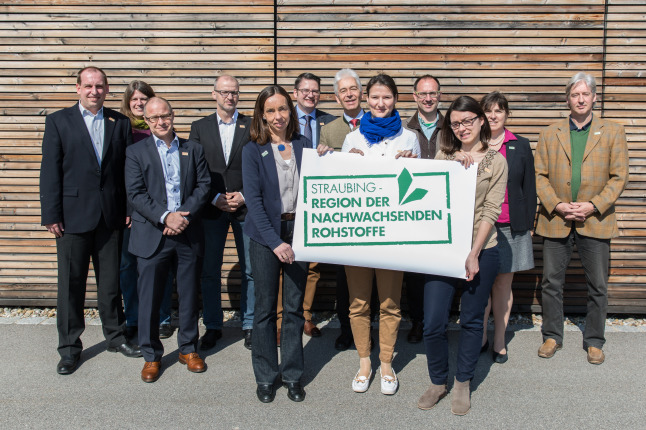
(427, 123)
(222, 135)
(307, 91)
(167, 180)
(83, 204)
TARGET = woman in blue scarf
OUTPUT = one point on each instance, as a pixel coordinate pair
(380, 133)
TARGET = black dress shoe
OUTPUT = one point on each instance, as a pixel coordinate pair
(128, 349)
(166, 331)
(247, 338)
(266, 393)
(499, 358)
(416, 332)
(67, 365)
(209, 339)
(295, 391)
(344, 341)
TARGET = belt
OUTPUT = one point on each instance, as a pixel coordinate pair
(288, 216)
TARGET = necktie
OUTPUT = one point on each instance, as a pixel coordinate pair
(354, 123)
(307, 132)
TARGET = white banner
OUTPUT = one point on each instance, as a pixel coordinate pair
(406, 214)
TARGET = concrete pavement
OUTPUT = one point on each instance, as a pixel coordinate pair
(106, 391)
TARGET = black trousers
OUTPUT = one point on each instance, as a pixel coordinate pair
(173, 251)
(74, 251)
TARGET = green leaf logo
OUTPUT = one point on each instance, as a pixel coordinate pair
(405, 180)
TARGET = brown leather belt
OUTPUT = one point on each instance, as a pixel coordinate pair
(288, 216)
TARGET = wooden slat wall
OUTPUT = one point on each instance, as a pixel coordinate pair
(177, 46)
(526, 49)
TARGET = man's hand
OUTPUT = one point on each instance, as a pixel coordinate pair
(229, 202)
(56, 229)
(323, 149)
(580, 211)
(128, 222)
(177, 221)
(170, 232)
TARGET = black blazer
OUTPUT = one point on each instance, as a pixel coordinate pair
(74, 189)
(224, 177)
(521, 184)
(146, 189)
(263, 194)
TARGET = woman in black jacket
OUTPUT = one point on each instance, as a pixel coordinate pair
(516, 221)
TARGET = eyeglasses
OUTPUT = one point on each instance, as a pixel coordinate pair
(164, 118)
(307, 92)
(466, 123)
(226, 94)
(432, 94)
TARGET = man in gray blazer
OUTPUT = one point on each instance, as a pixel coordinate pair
(222, 136)
(167, 181)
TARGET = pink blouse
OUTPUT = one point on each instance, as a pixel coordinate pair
(504, 215)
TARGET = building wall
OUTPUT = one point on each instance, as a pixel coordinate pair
(528, 50)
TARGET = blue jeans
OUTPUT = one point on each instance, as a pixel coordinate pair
(128, 283)
(264, 355)
(215, 232)
(438, 297)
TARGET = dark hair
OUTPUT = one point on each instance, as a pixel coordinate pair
(259, 131)
(385, 80)
(492, 99)
(307, 75)
(421, 78)
(80, 72)
(449, 143)
(133, 86)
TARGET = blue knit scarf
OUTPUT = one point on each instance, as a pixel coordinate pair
(377, 129)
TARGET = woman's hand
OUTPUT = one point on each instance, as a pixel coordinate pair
(406, 154)
(285, 253)
(464, 158)
(355, 151)
(323, 149)
(472, 266)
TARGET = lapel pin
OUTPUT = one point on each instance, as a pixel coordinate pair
(512, 147)
(111, 119)
(185, 153)
(264, 154)
(242, 126)
(597, 132)
(487, 170)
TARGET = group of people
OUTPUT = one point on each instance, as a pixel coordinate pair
(239, 171)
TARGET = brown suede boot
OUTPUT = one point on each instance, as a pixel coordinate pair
(433, 395)
(460, 398)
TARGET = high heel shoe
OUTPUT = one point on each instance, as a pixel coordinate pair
(498, 357)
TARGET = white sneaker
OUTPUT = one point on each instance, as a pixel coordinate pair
(389, 383)
(360, 384)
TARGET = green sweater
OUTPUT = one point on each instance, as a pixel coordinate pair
(578, 139)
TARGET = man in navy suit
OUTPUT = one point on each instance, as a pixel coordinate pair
(83, 204)
(222, 135)
(167, 180)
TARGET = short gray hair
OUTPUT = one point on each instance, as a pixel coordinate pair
(345, 73)
(581, 76)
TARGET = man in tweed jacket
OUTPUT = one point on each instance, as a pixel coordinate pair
(581, 169)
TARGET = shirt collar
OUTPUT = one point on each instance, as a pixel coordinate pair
(234, 119)
(348, 118)
(85, 112)
(428, 124)
(585, 127)
(302, 114)
(159, 142)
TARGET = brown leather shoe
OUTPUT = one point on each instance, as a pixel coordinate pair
(595, 355)
(193, 362)
(311, 330)
(549, 348)
(150, 372)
